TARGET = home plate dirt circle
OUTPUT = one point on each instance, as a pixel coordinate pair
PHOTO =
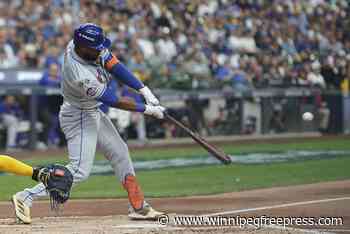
(117, 224)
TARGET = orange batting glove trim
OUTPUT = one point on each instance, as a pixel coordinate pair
(135, 193)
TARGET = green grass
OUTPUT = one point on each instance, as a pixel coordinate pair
(206, 179)
(197, 151)
(218, 179)
(203, 180)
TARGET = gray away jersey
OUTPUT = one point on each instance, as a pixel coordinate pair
(82, 82)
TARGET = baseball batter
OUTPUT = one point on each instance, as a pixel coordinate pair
(86, 72)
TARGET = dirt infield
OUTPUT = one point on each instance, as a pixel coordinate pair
(331, 199)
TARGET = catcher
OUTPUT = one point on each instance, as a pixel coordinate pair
(56, 178)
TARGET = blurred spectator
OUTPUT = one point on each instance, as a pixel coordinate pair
(315, 77)
(345, 85)
(197, 67)
(223, 72)
(277, 121)
(136, 118)
(195, 113)
(329, 73)
(138, 65)
(324, 115)
(49, 107)
(51, 77)
(240, 81)
(206, 39)
(8, 58)
(10, 113)
(52, 56)
(166, 46)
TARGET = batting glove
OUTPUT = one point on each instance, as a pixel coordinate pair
(104, 57)
(149, 96)
(41, 174)
(155, 111)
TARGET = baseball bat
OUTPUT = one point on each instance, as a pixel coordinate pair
(214, 151)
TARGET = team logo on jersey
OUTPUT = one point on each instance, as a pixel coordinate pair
(91, 91)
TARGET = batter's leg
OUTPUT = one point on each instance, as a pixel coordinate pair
(114, 148)
(81, 143)
(116, 151)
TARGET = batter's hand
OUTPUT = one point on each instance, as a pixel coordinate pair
(149, 96)
(155, 111)
(104, 57)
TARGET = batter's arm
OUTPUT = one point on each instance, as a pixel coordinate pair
(110, 62)
(110, 99)
(128, 104)
(119, 71)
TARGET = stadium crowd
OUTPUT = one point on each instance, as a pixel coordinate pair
(192, 43)
(183, 44)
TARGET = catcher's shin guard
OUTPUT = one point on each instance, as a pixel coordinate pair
(22, 211)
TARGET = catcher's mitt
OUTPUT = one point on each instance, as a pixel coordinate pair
(58, 181)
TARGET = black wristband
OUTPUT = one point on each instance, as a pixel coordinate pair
(35, 174)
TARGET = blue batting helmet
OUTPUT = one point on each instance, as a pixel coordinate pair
(92, 36)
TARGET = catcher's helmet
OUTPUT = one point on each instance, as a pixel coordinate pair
(91, 35)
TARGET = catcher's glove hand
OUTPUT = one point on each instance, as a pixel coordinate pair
(58, 181)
